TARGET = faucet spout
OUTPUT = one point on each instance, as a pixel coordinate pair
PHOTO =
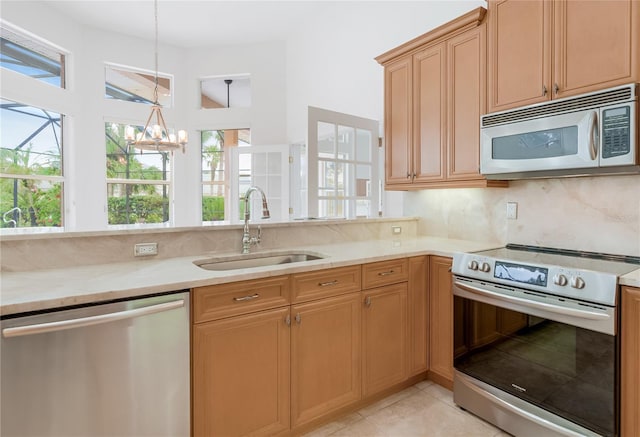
(247, 239)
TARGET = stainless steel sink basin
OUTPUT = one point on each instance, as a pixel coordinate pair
(234, 262)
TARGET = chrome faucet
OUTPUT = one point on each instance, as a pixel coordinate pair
(247, 239)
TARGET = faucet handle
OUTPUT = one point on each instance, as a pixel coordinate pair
(259, 234)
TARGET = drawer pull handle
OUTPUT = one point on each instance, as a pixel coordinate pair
(327, 284)
(390, 272)
(245, 298)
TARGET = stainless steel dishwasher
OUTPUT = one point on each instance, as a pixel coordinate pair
(119, 369)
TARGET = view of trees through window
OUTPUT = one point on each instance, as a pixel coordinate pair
(31, 179)
(138, 182)
(216, 146)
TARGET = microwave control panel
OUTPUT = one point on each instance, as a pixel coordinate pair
(616, 131)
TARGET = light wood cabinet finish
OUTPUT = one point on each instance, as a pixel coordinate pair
(543, 49)
(397, 120)
(440, 321)
(226, 300)
(630, 339)
(325, 360)
(384, 337)
(434, 95)
(241, 375)
(325, 283)
(418, 306)
(384, 273)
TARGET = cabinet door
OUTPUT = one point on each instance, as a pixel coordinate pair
(519, 53)
(241, 375)
(465, 103)
(384, 337)
(397, 121)
(630, 336)
(440, 321)
(429, 124)
(325, 362)
(595, 45)
(417, 299)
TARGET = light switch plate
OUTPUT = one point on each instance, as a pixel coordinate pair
(512, 210)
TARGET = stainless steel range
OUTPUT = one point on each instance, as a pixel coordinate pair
(536, 347)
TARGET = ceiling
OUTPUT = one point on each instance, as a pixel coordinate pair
(195, 23)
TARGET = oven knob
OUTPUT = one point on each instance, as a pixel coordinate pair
(473, 265)
(577, 282)
(560, 280)
(485, 267)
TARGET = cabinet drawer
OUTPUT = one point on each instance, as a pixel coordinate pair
(384, 273)
(325, 283)
(226, 300)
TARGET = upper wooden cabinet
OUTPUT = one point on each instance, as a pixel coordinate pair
(434, 95)
(540, 49)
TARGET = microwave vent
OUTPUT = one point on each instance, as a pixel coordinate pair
(586, 101)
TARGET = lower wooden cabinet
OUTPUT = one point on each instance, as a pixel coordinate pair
(241, 375)
(418, 308)
(325, 356)
(630, 382)
(384, 337)
(441, 313)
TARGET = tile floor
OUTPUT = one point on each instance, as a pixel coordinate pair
(424, 410)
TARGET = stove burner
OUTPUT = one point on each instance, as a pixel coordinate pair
(629, 259)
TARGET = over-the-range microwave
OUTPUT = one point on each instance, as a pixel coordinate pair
(589, 134)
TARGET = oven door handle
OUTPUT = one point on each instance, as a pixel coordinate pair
(584, 314)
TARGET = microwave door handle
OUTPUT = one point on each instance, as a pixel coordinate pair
(593, 135)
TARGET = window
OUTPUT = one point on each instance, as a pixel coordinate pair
(216, 145)
(30, 57)
(138, 182)
(226, 92)
(343, 165)
(132, 85)
(31, 180)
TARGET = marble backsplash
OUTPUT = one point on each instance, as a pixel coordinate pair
(600, 214)
(42, 251)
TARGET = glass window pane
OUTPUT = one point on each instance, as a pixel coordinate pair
(363, 145)
(346, 143)
(137, 203)
(225, 92)
(30, 203)
(135, 86)
(32, 58)
(31, 140)
(326, 140)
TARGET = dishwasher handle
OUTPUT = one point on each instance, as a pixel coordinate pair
(41, 328)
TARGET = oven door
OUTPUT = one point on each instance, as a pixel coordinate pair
(535, 364)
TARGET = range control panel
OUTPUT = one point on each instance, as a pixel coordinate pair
(569, 282)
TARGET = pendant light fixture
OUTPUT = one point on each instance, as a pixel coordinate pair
(155, 136)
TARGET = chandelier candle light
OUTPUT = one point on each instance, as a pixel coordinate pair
(156, 137)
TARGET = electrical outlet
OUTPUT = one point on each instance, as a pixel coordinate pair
(512, 210)
(145, 249)
(395, 230)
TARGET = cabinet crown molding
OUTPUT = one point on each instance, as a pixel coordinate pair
(470, 19)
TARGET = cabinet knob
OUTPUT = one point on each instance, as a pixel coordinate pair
(298, 318)
(367, 301)
(556, 88)
(287, 320)
(544, 90)
(408, 175)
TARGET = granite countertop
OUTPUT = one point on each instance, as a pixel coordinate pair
(46, 289)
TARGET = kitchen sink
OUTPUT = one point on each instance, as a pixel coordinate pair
(234, 262)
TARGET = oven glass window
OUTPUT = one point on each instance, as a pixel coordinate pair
(566, 370)
(548, 143)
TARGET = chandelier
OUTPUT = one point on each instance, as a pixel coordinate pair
(155, 136)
